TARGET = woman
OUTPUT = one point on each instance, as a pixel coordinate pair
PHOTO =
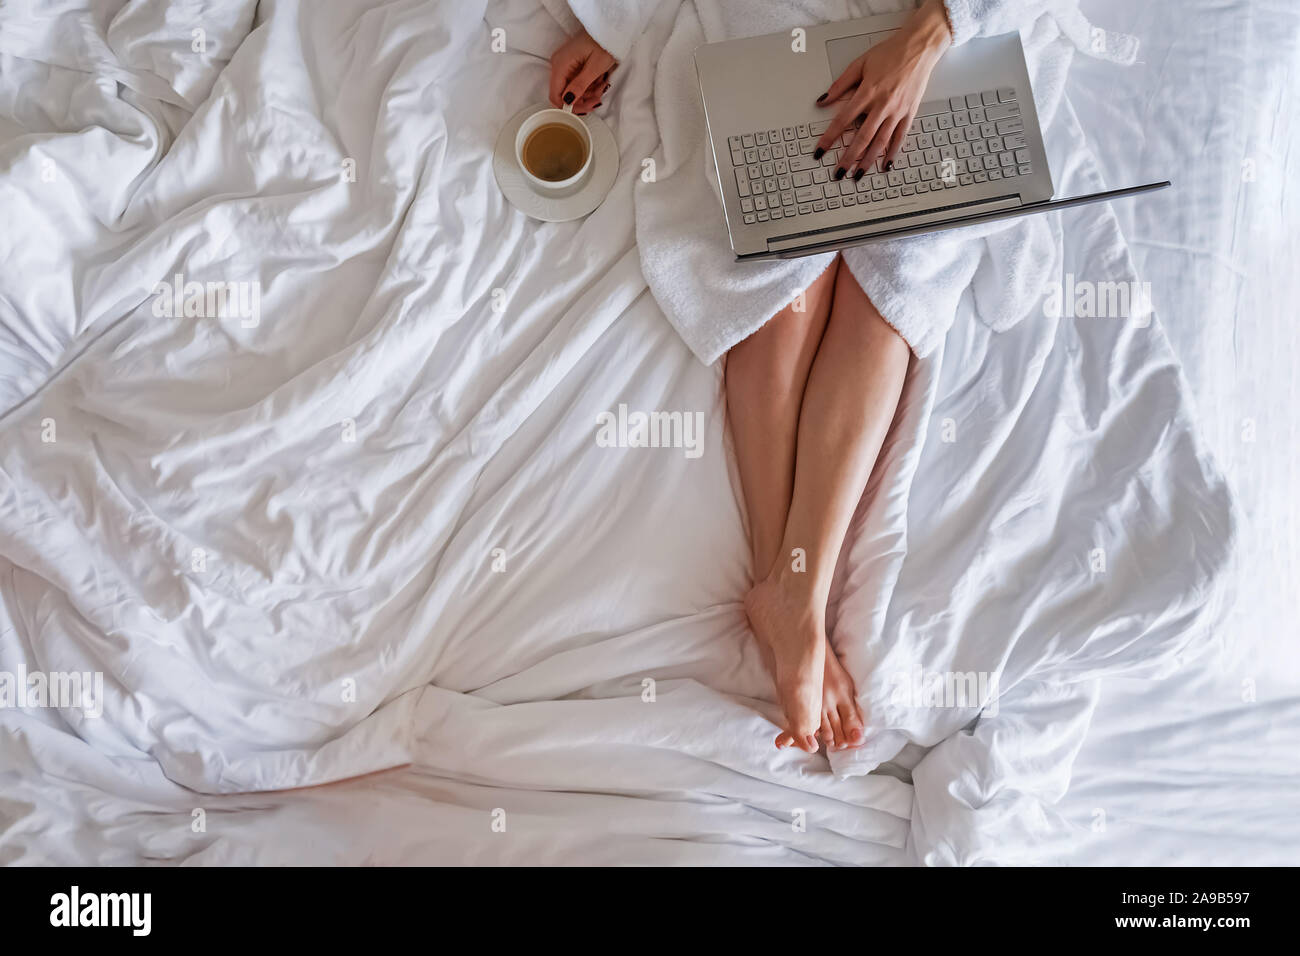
(812, 392)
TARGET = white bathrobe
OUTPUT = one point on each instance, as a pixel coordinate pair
(714, 301)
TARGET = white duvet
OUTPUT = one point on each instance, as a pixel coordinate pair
(369, 530)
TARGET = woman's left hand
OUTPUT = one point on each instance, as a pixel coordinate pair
(883, 88)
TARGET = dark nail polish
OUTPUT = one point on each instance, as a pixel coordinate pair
(839, 172)
(859, 174)
(597, 106)
(822, 98)
(889, 165)
(569, 97)
(606, 89)
(818, 153)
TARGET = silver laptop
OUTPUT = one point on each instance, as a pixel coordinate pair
(973, 154)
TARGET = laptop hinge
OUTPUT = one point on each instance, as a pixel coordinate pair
(890, 224)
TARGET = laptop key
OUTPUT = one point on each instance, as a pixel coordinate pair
(1006, 94)
(750, 218)
(738, 157)
(932, 108)
(1002, 111)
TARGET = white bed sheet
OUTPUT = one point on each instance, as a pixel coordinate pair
(1204, 768)
(538, 717)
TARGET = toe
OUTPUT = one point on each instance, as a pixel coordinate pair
(837, 729)
(783, 740)
(851, 722)
(827, 730)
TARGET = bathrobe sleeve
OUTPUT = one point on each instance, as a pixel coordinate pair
(986, 18)
(614, 24)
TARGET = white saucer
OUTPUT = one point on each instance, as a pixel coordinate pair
(574, 206)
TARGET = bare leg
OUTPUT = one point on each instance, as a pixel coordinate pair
(848, 404)
(766, 376)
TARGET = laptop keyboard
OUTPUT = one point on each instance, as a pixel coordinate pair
(951, 143)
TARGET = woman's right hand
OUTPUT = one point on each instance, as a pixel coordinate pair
(883, 88)
(580, 72)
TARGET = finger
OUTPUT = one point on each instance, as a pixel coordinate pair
(858, 152)
(848, 114)
(586, 78)
(563, 65)
(846, 81)
(878, 148)
(592, 98)
(896, 141)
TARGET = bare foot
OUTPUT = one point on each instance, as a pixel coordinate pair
(842, 726)
(793, 629)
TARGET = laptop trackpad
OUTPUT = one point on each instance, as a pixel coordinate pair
(844, 50)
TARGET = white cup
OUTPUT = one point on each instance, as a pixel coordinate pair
(550, 187)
